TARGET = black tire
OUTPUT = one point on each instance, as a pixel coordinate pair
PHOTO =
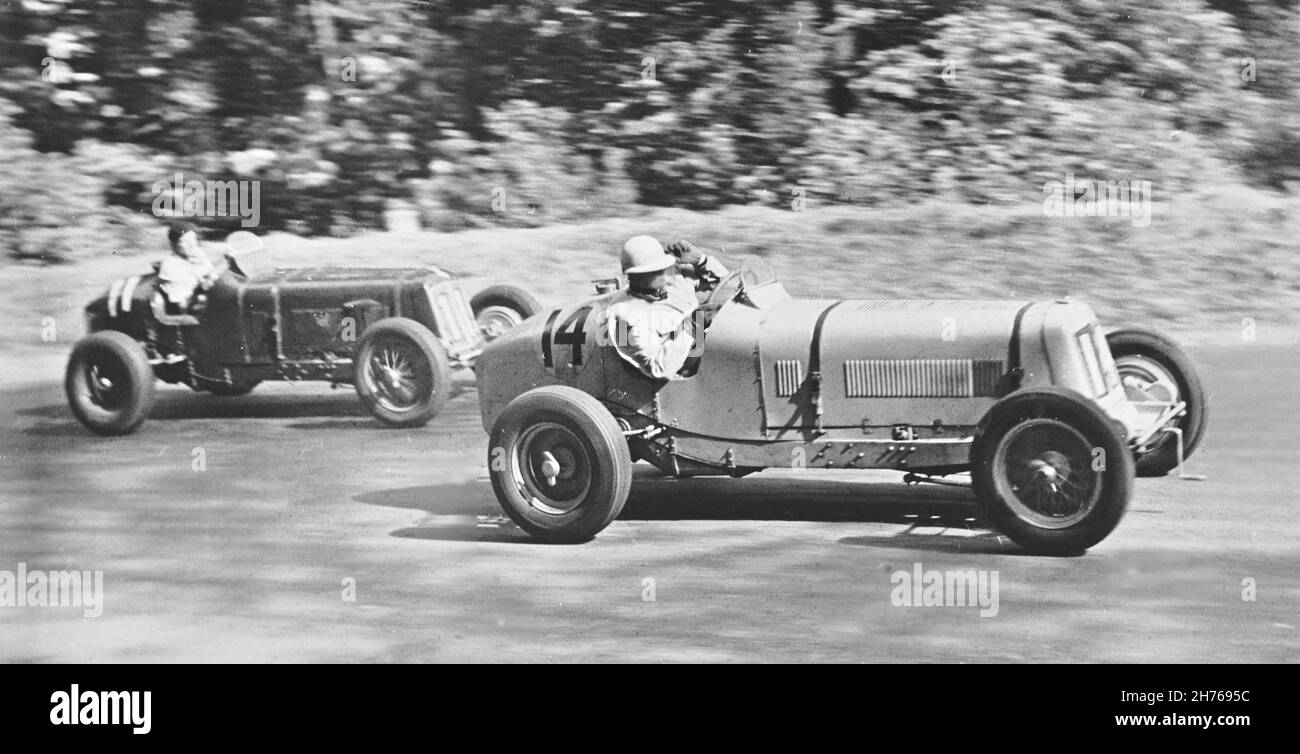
(592, 464)
(1035, 472)
(500, 307)
(403, 376)
(1135, 344)
(224, 390)
(109, 383)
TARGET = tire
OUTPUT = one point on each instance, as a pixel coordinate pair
(224, 390)
(1144, 354)
(1034, 470)
(590, 457)
(502, 307)
(402, 374)
(109, 383)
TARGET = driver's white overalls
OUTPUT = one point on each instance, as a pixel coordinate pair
(657, 335)
(181, 277)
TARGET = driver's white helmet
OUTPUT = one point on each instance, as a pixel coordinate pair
(644, 254)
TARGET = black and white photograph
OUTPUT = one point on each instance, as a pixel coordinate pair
(702, 332)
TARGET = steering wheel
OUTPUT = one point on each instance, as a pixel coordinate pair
(231, 265)
(722, 284)
(240, 243)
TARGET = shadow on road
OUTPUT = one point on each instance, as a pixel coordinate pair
(69, 428)
(340, 411)
(940, 519)
(951, 541)
(464, 512)
(656, 497)
(177, 405)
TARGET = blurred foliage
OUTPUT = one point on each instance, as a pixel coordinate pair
(527, 111)
(52, 206)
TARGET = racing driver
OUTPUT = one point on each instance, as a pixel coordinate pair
(650, 322)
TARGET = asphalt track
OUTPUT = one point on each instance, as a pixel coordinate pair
(303, 497)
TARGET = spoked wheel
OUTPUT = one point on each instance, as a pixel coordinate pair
(402, 373)
(1051, 470)
(400, 377)
(560, 466)
(109, 383)
(1155, 371)
(502, 307)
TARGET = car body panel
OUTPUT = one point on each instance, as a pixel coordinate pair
(784, 336)
(726, 381)
(914, 362)
(288, 324)
(584, 365)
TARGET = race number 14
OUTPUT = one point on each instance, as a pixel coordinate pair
(571, 332)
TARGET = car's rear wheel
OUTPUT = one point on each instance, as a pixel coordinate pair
(403, 376)
(1051, 470)
(109, 383)
(1152, 368)
(501, 307)
(559, 463)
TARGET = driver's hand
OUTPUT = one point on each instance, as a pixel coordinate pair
(681, 295)
(210, 280)
(685, 252)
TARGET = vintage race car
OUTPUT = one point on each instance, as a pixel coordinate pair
(1049, 414)
(394, 333)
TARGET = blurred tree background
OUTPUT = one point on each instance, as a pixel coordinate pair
(536, 111)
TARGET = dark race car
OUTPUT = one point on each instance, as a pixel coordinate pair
(393, 333)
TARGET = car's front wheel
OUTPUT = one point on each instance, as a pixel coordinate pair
(559, 463)
(403, 376)
(501, 307)
(109, 383)
(1155, 371)
(1051, 470)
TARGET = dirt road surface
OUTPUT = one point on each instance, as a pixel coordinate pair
(302, 501)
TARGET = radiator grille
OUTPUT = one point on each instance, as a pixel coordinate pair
(452, 314)
(789, 376)
(921, 378)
